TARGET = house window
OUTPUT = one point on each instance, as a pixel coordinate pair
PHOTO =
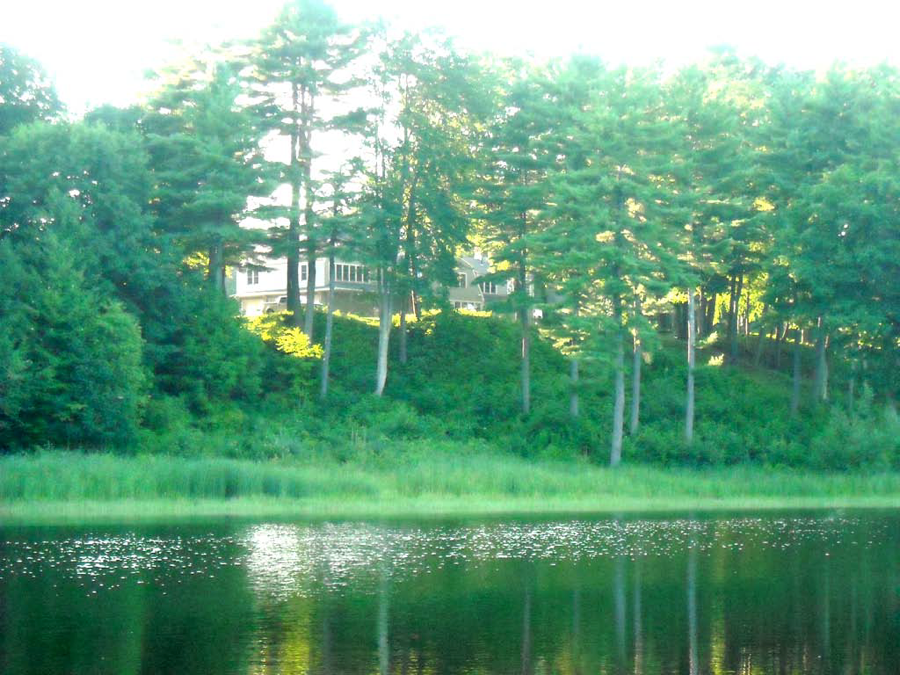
(252, 277)
(461, 279)
(303, 272)
(357, 274)
(489, 287)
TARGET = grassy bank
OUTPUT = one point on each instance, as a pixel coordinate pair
(60, 486)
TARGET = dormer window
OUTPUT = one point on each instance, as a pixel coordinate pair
(461, 280)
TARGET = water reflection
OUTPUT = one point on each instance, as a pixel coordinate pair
(753, 596)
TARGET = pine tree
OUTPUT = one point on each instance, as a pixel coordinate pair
(299, 66)
(610, 208)
(207, 162)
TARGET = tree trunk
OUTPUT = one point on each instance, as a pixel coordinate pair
(733, 330)
(293, 235)
(384, 333)
(309, 319)
(615, 453)
(525, 320)
(701, 319)
(637, 357)
(795, 391)
(311, 254)
(820, 383)
(780, 334)
(329, 324)
(402, 345)
(573, 392)
(747, 314)
(689, 407)
(760, 339)
(731, 312)
(681, 321)
(526, 361)
(711, 313)
(309, 218)
(216, 268)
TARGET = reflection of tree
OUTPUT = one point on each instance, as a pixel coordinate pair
(692, 609)
(638, 628)
(526, 632)
(383, 608)
(619, 610)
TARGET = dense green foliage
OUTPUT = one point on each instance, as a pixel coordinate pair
(745, 210)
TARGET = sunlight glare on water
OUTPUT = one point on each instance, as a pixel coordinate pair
(761, 594)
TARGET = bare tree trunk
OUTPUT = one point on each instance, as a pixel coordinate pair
(711, 313)
(637, 357)
(681, 321)
(410, 262)
(701, 319)
(795, 391)
(689, 408)
(384, 332)
(735, 317)
(732, 313)
(309, 217)
(780, 334)
(216, 267)
(309, 319)
(311, 256)
(573, 392)
(526, 361)
(402, 345)
(747, 314)
(820, 382)
(615, 453)
(293, 235)
(760, 339)
(525, 320)
(329, 324)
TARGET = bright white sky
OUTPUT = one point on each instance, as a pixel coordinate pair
(98, 50)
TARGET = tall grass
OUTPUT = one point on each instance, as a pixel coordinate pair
(406, 481)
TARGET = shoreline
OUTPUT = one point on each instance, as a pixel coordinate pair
(423, 508)
(54, 486)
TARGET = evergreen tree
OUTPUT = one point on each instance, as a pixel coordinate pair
(299, 65)
(206, 160)
(512, 194)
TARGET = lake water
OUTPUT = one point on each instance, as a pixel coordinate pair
(773, 594)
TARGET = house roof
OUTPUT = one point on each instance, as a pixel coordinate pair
(479, 265)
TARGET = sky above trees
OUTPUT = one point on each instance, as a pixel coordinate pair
(98, 50)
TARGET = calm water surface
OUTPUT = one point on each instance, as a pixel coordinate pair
(774, 594)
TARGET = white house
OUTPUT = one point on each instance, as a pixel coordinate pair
(260, 291)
